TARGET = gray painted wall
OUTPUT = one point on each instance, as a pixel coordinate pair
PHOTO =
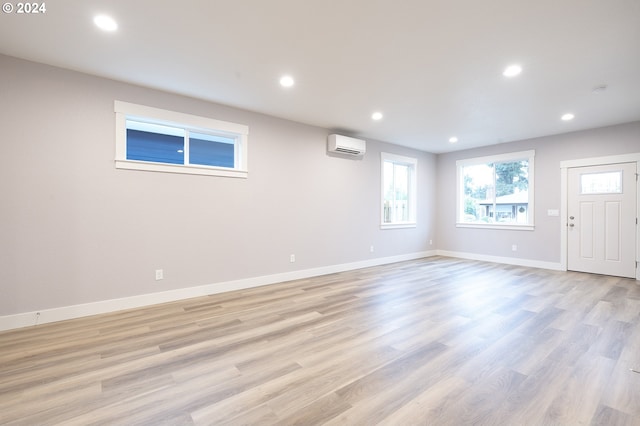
(75, 230)
(542, 244)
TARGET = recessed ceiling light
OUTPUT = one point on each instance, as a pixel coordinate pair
(453, 139)
(376, 116)
(567, 117)
(512, 70)
(105, 23)
(286, 81)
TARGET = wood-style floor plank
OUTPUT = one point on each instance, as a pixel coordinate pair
(432, 341)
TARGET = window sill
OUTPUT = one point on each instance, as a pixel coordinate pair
(496, 226)
(190, 170)
(397, 225)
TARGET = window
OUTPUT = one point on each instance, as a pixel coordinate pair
(496, 191)
(166, 141)
(398, 191)
(601, 183)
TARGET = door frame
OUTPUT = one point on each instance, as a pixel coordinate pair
(564, 198)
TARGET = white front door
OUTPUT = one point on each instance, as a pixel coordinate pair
(601, 222)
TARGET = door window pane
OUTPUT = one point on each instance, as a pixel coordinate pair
(601, 183)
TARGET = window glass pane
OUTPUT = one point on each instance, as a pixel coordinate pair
(601, 183)
(210, 150)
(512, 196)
(146, 146)
(388, 191)
(479, 193)
(496, 193)
(400, 207)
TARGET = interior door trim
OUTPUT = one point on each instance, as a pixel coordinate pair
(564, 197)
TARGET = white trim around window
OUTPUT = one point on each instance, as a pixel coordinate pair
(398, 207)
(238, 132)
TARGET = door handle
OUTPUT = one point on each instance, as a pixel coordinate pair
(571, 225)
(571, 217)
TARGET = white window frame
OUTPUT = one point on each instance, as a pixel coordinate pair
(412, 190)
(502, 158)
(126, 110)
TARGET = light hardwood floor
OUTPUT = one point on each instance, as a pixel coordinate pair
(435, 341)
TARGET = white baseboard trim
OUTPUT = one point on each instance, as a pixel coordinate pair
(44, 316)
(499, 259)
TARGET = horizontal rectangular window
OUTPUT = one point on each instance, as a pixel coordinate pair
(159, 140)
(601, 183)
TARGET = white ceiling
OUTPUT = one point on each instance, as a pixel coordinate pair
(432, 67)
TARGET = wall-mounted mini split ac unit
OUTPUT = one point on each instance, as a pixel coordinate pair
(346, 145)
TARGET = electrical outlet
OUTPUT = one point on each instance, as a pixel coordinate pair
(371, 249)
(514, 248)
(159, 274)
(430, 242)
(292, 258)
